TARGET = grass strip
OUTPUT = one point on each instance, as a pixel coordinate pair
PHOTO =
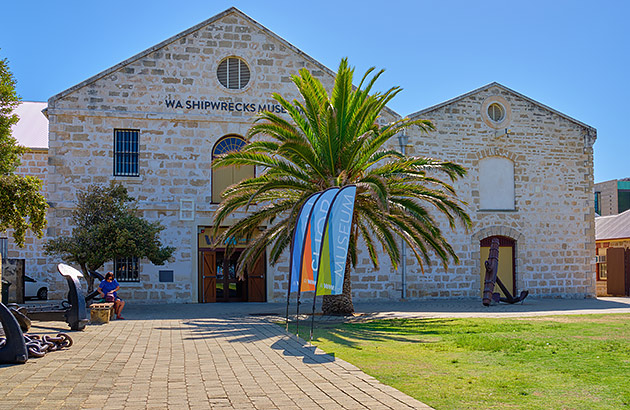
(554, 362)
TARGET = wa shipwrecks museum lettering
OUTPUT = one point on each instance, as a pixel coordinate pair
(223, 106)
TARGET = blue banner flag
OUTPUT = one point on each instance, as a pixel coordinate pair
(297, 244)
(334, 252)
(313, 239)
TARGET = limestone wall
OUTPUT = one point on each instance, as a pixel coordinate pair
(175, 141)
(171, 94)
(553, 219)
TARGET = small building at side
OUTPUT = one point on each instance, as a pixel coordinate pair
(612, 197)
(612, 269)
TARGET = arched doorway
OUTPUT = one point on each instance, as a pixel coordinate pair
(217, 273)
(507, 262)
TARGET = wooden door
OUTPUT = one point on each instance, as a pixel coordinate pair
(616, 278)
(505, 270)
(256, 290)
(208, 277)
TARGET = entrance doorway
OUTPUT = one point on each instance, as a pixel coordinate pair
(507, 258)
(218, 281)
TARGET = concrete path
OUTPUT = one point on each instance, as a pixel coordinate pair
(226, 356)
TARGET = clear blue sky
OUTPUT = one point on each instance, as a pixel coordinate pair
(570, 55)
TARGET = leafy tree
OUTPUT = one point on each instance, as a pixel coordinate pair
(22, 206)
(107, 228)
(334, 140)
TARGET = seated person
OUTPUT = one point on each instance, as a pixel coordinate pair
(108, 288)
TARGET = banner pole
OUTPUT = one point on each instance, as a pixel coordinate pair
(288, 302)
(297, 315)
(297, 311)
(290, 274)
(292, 250)
(321, 247)
(313, 313)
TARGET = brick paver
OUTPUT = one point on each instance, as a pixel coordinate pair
(238, 363)
(225, 356)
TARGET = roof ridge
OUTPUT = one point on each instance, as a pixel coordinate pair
(496, 84)
(184, 33)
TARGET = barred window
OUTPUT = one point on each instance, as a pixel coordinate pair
(126, 153)
(4, 247)
(126, 269)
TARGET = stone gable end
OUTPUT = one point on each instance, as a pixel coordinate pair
(552, 216)
(184, 68)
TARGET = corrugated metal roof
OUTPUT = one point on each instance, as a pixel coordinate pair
(612, 226)
(32, 129)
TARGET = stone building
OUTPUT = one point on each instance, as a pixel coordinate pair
(612, 243)
(612, 197)
(155, 121)
(30, 131)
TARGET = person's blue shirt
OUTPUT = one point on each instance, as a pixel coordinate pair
(109, 286)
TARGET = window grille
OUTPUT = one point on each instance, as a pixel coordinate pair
(233, 73)
(126, 153)
(126, 269)
(4, 247)
(231, 143)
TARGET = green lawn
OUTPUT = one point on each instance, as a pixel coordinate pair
(556, 362)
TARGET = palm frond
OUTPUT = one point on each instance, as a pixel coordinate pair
(326, 140)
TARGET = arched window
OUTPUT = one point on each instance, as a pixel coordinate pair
(224, 177)
(496, 183)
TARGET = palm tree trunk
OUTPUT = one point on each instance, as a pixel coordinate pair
(340, 304)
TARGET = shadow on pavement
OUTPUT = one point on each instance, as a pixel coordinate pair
(293, 346)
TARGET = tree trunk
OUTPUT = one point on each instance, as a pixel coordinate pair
(88, 278)
(340, 304)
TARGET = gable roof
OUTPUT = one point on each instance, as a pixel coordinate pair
(613, 226)
(176, 37)
(509, 90)
(184, 33)
(31, 130)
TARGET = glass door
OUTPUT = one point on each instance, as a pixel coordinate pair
(228, 287)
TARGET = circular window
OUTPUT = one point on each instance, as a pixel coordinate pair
(233, 73)
(496, 112)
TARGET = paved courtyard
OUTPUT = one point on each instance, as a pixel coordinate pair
(226, 356)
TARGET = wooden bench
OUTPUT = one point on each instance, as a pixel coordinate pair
(101, 312)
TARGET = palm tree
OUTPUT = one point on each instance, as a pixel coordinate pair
(334, 140)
